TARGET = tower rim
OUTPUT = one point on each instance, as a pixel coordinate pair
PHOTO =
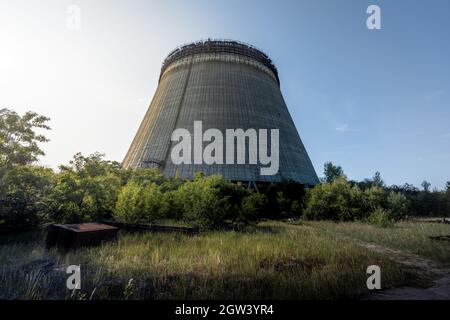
(219, 46)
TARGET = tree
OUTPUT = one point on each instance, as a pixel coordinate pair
(19, 142)
(398, 205)
(337, 200)
(85, 190)
(332, 172)
(138, 204)
(24, 189)
(284, 200)
(211, 202)
(375, 197)
(253, 204)
(426, 186)
(127, 208)
(447, 198)
(24, 196)
(151, 202)
(377, 181)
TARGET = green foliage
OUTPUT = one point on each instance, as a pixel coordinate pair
(447, 198)
(146, 176)
(332, 172)
(253, 204)
(398, 205)
(18, 139)
(341, 201)
(381, 218)
(374, 197)
(129, 205)
(86, 190)
(337, 200)
(171, 208)
(151, 202)
(92, 189)
(377, 181)
(284, 200)
(24, 195)
(209, 202)
(426, 186)
(141, 203)
(287, 207)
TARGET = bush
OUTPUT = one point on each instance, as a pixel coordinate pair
(283, 200)
(337, 200)
(375, 197)
(170, 207)
(210, 202)
(145, 176)
(253, 204)
(381, 218)
(137, 204)
(398, 205)
(86, 190)
(127, 208)
(24, 196)
(151, 200)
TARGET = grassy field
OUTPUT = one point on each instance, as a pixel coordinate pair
(406, 236)
(273, 260)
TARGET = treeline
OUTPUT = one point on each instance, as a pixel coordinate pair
(337, 198)
(93, 189)
(90, 188)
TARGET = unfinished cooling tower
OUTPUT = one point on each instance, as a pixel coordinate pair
(225, 85)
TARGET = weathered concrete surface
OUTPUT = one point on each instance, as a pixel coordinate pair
(224, 90)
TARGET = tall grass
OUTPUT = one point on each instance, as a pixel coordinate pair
(271, 261)
(410, 236)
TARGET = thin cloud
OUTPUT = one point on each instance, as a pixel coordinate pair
(343, 128)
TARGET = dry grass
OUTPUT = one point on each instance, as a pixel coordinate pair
(407, 236)
(271, 261)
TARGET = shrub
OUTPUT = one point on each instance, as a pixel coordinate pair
(150, 202)
(24, 196)
(127, 208)
(137, 204)
(145, 176)
(381, 218)
(80, 198)
(210, 202)
(398, 205)
(337, 200)
(375, 197)
(252, 205)
(283, 200)
(171, 208)
(85, 190)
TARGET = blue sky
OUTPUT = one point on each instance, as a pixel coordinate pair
(367, 100)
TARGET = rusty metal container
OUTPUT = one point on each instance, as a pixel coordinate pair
(70, 236)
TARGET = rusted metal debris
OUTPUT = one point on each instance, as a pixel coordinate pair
(70, 236)
(154, 228)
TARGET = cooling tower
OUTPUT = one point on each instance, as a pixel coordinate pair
(226, 85)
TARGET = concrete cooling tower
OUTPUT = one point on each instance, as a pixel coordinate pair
(221, 85)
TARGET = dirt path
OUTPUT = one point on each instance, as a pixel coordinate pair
(440, 289)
